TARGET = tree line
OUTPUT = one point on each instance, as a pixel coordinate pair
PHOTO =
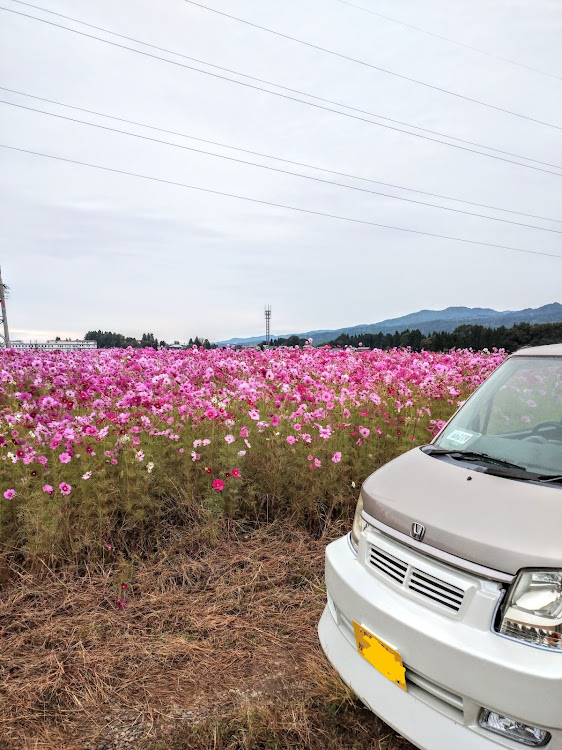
(463, 337)
(111, 340)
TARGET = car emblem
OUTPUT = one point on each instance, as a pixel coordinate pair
(418, 531)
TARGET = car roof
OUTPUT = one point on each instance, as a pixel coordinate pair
(550, 350)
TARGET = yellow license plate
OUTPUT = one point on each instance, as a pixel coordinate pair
(384, 659)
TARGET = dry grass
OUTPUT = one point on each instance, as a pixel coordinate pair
(216, 649)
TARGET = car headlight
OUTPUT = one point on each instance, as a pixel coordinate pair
(358, 524)
(533, 609)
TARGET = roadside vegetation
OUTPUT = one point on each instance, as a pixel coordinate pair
(163, 520)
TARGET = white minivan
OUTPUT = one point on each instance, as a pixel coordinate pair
(444, 611)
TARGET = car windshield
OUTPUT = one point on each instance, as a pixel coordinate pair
(515, 417)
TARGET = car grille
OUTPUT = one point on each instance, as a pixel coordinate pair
(415, 580)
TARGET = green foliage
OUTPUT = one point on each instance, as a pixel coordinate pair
(110, 340)
(464, 337)
(290, 341)
(205, 343)
(128, 498)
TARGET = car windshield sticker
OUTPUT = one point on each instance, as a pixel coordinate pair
(460, 437)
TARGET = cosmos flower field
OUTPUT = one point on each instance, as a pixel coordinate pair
(99, 448)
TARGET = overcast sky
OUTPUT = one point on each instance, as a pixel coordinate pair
(86, 249)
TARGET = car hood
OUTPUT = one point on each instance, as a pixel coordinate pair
(500, 523)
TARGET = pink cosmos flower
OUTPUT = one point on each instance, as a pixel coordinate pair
(121, 603)
(235, 472)
(336, 458)
(218, 485)
(310, 458)
(525, 418)
(9, 494)
(87, 475)
(47, 488)
(42, 460)
(241, 453)
(211, 413)
(229, 439)
(65, 457)
(195, 456)
(364, 431)
(275, 420)
(244, 432)
(291, 439)
(65, 488)
(317, 463)
(254, 414)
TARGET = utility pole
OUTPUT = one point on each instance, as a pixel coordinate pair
(267, 320)
(6, 337)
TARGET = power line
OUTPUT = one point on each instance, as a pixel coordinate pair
(451, 41)
(262, 80)
(269, 83)
(290, 98)
(374, 67)
(275, 169)
(278, 205)
(276, 158)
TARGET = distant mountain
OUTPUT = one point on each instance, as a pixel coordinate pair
(431, 320)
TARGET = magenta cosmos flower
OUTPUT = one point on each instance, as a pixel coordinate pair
(9, 494)
(218, 485)
(65, 488)
(47, 488)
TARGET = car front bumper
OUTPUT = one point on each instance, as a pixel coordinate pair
(454, 667)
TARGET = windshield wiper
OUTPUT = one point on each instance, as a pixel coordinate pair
(471, 456)
(545, 478)
(459, 455)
